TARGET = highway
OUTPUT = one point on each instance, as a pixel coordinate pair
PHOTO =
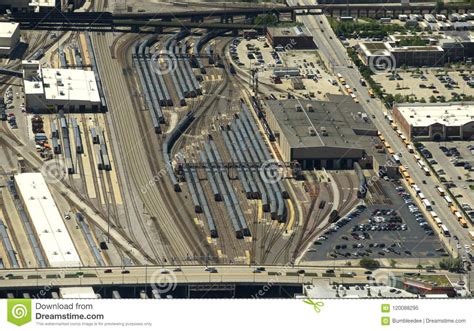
(336, 58)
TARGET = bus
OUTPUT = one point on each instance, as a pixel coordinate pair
(417, 158)
(453, 209)
(371, 93)
(396, 158)
(405, 174)
(390, 151)
(421, 196)
(441, 191)
(404, 139)
(438, 222)
(416, 188)
(427, 204)
(427, 171)
(402, 169)
(458, 215)
(389, 118)
(445, 230)
(393, 125)
(410, 149)
(386, 144)
(448, 200)
(471, 235)
(410, 181)
(399, 132)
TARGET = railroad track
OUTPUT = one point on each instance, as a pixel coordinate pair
(181, 235)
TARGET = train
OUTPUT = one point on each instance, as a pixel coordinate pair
(362, 188)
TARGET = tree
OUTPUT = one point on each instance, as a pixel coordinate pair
(439, 6)
(369, 263)
(451, 264)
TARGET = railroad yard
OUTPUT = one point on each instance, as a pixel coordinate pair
(179, 160)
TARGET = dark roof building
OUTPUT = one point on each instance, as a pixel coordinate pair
(290, 38)
(322, 134)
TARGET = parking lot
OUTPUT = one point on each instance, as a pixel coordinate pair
(258, 54)
(454, 163)
(380, 231)
(428, 83)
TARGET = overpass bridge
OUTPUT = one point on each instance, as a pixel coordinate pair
(222, 17)
(195, 274)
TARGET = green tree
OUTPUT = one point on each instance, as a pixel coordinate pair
(369, 263)
(451, 264)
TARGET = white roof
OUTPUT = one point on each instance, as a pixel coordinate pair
(47, 221)
(64, 84)
(448, 114)
(77, 293)
(7, 29)
(42, 3)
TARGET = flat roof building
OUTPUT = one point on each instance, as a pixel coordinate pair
(9, 37)
(435, 121)
(48, 225)
(322, 134)
(33, 5)
(397, 56)
(50, 89)
(290, 38)
(86, 292)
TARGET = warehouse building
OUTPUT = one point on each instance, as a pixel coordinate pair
(49, 89)
(290, 38)
(436, 121)
(397, 56)
(48, 225)
(9, 37)
(323, 134)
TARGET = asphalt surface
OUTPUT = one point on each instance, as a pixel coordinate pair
(410, 243)
(337, 59)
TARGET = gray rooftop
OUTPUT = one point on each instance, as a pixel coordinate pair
(339, 122)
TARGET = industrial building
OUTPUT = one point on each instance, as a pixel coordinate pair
(49, 89)
(35, 5)
(290, 38)
(48, 225)
(9, 37)
(436, 121)
(329, 134)
(417, 56)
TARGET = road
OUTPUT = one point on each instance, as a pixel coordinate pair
(336, 58)
(188, 274)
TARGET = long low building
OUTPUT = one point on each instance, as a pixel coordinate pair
(435, 121)
(50, 89)
(322, 134)
(384, 53)
(49, 227)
